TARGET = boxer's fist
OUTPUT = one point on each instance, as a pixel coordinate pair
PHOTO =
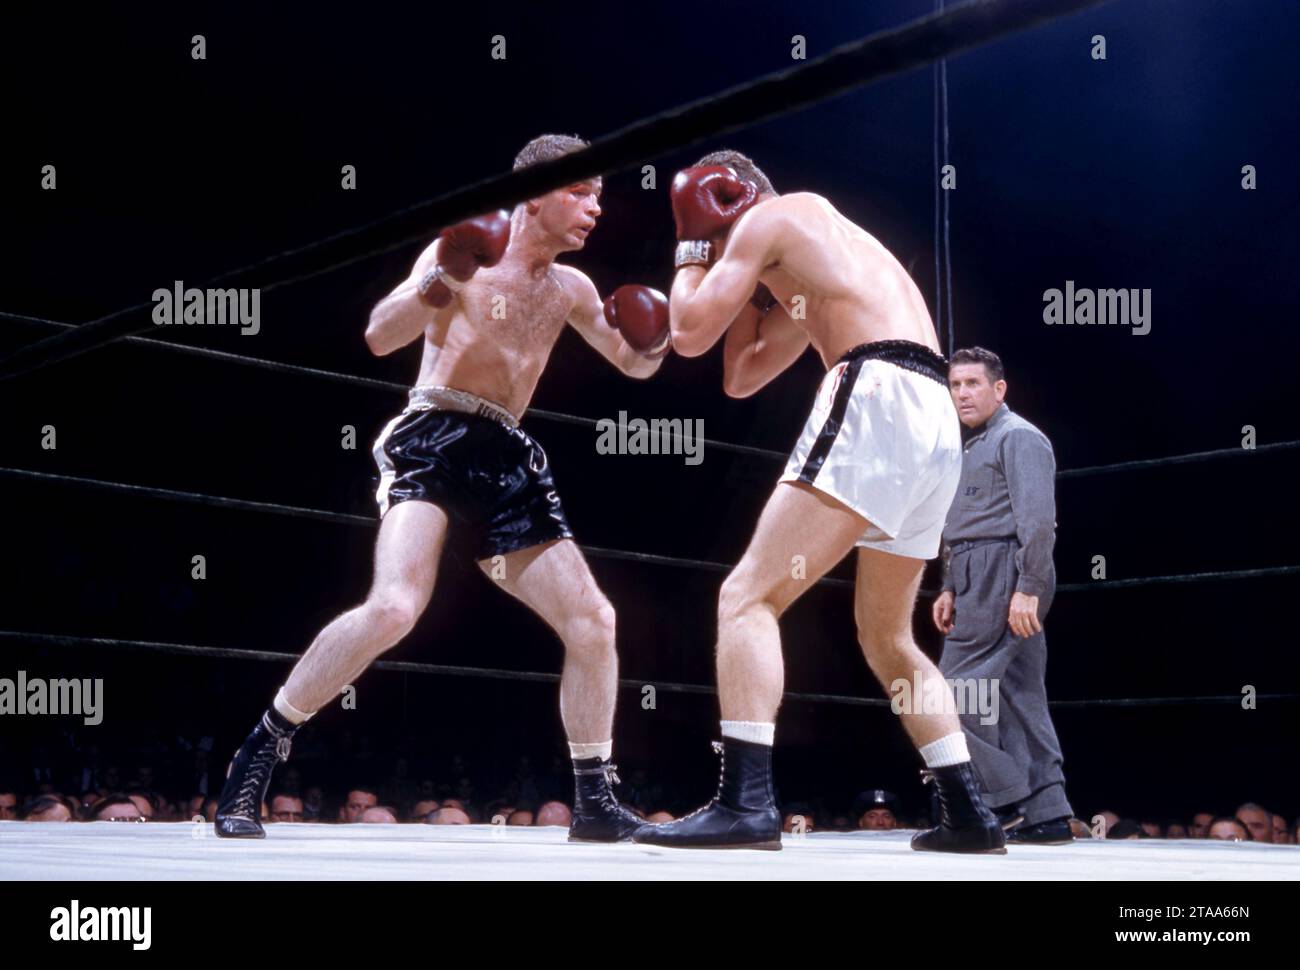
(640, 314)
(476, 242)
(708, 199)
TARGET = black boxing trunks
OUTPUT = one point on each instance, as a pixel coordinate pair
(469, 457)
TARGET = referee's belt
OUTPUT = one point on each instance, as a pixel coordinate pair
(965, 545)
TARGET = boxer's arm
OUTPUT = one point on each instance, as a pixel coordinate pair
(758, 347)
(703, 304)
(402, 316)
(588, 318)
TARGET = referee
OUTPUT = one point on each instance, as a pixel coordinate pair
(997, 588)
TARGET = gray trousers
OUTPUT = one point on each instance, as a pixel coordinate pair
(1017, 757)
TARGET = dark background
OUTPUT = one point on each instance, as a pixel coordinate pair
(1119, 173)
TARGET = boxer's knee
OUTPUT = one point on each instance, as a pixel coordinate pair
(588, 634)
(742, 598)
(392, 614)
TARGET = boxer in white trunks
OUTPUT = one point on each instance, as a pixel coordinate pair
(876, 468)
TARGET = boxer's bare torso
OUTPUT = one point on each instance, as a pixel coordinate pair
(496, 341)
(496, 335)
(855, 291)
(836, 285)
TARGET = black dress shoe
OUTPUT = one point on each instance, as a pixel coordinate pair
(966, 824)
(240, 806)
(1055, 831)
(743, 815)
(597, 815)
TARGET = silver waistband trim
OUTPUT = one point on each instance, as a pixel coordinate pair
(425, 398)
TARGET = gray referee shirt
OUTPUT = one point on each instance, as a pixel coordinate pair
(1008, 489)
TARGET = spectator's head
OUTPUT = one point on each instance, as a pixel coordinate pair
(802, 820)
(378, 814)
(1258, 820)
(520, 816)
(286, 808)
(195, 806)
(8, 804)
(1229, 829)
(878, 819)
(1152, 830)
(447, 816)
(554, 813)
(1125, 828)
(876, 810)
(118, 808)
(358, 800)
(210, 810)
(1109, 821)
(423, 808)
(977, 382)
(1200, 827)
(657, 818)
(46, 808)
(1079, 828)
(1175, 830)
(453, 803)
(144, 802)
(1281, 834)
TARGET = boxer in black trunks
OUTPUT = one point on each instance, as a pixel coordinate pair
(489, 302)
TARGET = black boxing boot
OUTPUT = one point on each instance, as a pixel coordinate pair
(240, 806)
(743, 815)
(966, 824)
(597, 815)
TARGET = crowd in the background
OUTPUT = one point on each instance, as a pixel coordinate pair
(103, 792)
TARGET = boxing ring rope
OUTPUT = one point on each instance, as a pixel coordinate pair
(491, 673)
(575, 419)
(595, 552)
(843, 69)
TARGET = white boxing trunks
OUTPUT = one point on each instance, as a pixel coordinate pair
(883, 438)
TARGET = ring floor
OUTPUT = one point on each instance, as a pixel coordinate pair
(177, 851)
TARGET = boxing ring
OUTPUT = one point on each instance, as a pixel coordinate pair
(95, 851)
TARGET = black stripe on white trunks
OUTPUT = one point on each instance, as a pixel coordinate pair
(831, 429)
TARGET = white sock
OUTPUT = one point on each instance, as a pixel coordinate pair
(759, 732)
(603, 750)
(288, 711)
(948, 750)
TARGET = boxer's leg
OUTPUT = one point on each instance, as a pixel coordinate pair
(883, 606)
(801, 534)
(554, 581)
(407, 551)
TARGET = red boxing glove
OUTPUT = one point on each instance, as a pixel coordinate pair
(476, 242)
(640, 314)
(708, 199)
(465, 247)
